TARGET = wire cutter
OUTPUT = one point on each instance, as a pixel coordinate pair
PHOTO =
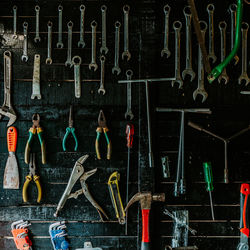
(32, 175)
(70, 129)
(35, 129)
(102, 128)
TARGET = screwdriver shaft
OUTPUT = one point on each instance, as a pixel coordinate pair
(211, 204)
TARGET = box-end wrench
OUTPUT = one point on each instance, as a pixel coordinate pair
(177, 25)
(211, 54)
(102, 89)
(129, 113)
(81, 42)
(104, 48)
(244, 77)
(201, 89)
(69, 51)
(116, 69)
(36, 92)
(189, 70)
(93, 63)
(76, 61)
(223, 26)
(49, 58)
(14, 22)
(60, 43)
(166, 50)
(126, 52)
(25, 42)
(37, 37)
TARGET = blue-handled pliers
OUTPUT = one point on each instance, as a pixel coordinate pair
(70, 129)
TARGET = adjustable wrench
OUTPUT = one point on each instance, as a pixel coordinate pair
(102, 89)
(210, 10)
(7, 109)
(69, 51)
(60, 43)
(93, 63)
(116, 69)
(36, 93)
(129, 113)
(14, 21)
(104, 48)
(49, 58)
(223, 26)
(126, 52)
(201, 89)
(25, 42)
(81, 42)
(244, 76)
(189, 70)
(37, 37)
(76, 61)
(166, 50)
(177, 25)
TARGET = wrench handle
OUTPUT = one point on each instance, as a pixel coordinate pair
(244, 195)
(12, 139)
(145, 244)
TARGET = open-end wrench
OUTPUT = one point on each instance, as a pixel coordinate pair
(7, 109)
(36, 92)
(37, 37)
(49, 58)
(201, 89)
(102, 89)
(129, 113)
(244, 77)
(25, 42)
(166, 50)
(223, 26)
(76, 61)
(177, 25)
(93, 63)
(14, 22)
(116, 69)
(81, 42)
(210, 10)
(126, 52)
(69, 51)
(104, 48)
(60, 42)
(188, 70)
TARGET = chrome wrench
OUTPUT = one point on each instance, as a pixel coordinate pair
(102, 89)
(104, 48)
(37, 37)
(76, 61)
(60, 43)
(49, 58)
(93, 63)
(166, 50)
(129, 113)
(116, 69)
(81, 42)
(25, 42)
(36, 92)
(126, 52)
(69, 51)
(14, 22)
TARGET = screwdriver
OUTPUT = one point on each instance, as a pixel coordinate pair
(209, 181)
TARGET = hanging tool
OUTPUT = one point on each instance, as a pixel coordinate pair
(209, 181)
(88, 246)
(244, 223)
(145, 199)
(165, 166)
(11, 173)
(70, 129)
(35, 129)
(79, 173)
(116, 197)
(102, 128)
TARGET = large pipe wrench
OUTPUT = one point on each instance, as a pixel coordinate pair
(78, 173)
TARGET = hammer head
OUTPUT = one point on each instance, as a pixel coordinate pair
(145, 199)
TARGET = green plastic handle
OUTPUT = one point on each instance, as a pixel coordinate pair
(208, 175)
(68, 131)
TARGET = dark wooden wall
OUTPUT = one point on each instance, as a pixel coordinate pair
(230, 114)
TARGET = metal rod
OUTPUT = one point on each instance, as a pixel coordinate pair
(148, 80)
(194, 110)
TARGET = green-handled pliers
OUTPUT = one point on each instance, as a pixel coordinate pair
(102, 128)
(70, 129)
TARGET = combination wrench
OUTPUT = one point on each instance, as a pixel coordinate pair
(14, 22)
(177, 25)
(81, 42)
(60, 43)
(201, 89)
(69, 51)
(129, 113)
(37, 37)
(102, 89)
(188, 70)
(166, 50)
(49, 58)
(76, 61)
(93, 63)
(36, 92)
(104, 48)
(223, 26)
(126, 52)
(244, 77)
(25, 42)
(116, 69)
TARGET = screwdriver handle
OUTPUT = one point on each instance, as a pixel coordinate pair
(12, 139)
(208, 175)
(130, 134)
(244, 196)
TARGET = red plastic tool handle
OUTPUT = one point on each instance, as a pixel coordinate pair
(244, 196)
(130, 135)
(12, 139)
(145, 244)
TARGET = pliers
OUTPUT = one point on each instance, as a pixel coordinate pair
(32, 175)
(35, 129)
(102, 128)
(70, 129)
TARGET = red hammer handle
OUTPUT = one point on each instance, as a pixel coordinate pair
(145, 244)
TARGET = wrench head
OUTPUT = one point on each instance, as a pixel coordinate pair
(189, 72)
(33, 96)
(223, 78)
(104, 50)
(212, 57)
(81, 44)
(126, 54)
(101, 90)
(25, 58)
(10, 113)
(236, 59)
(94, 66)
(68, 63)
(59, 45)
(244, 78)
(129, 114)
(178, 80)
(48, 61)
(37, 39)
(116, 69)
(166, 52)
(200, 92)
